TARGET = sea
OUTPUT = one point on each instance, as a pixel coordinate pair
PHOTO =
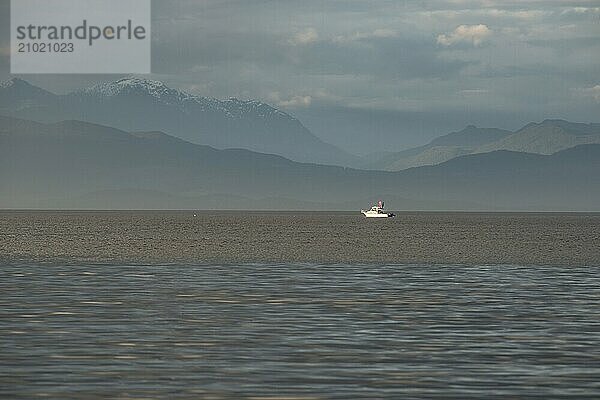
(299, 331)
(299, 305)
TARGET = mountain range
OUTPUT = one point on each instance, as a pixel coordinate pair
(547, 137)
(75, 164)
(135, 104)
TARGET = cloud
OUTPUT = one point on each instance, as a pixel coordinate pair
(381, 59)
(296, 101)
(381, 33)
(474, 34)
(291, 102)
(581, 10)
(593, 92)
(524, 15)
(306, 36)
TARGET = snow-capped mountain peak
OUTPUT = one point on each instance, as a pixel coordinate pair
(140, 87)
(237, 107)
(137, 104)
(160, 92)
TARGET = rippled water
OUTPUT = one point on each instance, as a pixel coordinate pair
(236, 237)
(306, 331)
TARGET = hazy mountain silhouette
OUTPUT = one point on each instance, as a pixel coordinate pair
(16, 94)
(546, 137)
(75, 164)
(134, 104)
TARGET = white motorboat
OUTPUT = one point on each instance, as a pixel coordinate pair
(377, 211)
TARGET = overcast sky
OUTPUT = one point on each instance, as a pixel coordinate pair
(389, 73)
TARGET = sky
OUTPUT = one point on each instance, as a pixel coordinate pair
(372, 76)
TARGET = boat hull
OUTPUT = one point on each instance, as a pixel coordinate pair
(376, 215)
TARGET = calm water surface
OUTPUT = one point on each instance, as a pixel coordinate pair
(301, 331)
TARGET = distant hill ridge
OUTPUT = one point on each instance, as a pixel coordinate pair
(75, 164)
(546, 137)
